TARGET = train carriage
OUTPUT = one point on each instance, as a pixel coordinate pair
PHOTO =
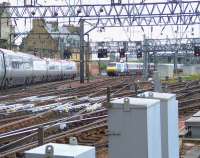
(26, 71)
(18, 68)
(53, 70)
(39, 70)
(117, 68)
(69, 69)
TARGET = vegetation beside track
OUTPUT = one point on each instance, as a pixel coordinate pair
(175, 79)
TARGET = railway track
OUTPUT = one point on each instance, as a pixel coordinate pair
(97, 125)
(16, 131)
(19, 130)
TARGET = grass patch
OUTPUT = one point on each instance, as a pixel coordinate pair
(191, 77)
(103, 66)
(170, 81)
(184, 78)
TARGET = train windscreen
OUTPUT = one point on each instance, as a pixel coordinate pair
(112, 64)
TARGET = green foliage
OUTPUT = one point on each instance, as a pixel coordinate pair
(170, 81)
(103, 66)
(192, 77)
(184, 78)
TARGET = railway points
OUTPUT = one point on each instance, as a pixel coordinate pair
(134, 54)
(81, 110)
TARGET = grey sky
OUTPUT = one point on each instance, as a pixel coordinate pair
(132, 33)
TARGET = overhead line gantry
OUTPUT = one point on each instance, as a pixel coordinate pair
(114, 15)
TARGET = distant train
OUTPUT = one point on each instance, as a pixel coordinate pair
(117, 68)
(18, 68)
(126, 68)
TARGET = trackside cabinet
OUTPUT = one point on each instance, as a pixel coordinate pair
(193, 125)
(54, 150)
(169, 122)
(134, 128)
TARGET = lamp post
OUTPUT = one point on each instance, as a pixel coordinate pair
(82, 53)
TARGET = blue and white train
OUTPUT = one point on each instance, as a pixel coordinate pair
(18, 68)
(127, 68)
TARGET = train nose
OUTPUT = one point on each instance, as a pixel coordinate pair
(111, 69)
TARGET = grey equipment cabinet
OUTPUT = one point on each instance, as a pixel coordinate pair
(169, 122)
(134, 128)
(61, 151)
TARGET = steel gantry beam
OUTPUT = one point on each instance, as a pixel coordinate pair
(114, 15)
(114, 46)
(134, 14)
(175, 45)
(170, 45)
(151, 45)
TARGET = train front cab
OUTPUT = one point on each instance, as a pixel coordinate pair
(111, 69)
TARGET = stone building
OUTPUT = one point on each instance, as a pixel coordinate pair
(48, 39)
(6, 28)
(40, 41)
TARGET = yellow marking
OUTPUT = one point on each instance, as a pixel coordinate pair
(111, 69)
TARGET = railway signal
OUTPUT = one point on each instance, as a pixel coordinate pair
(169, 59)
(197, 51)
(139, 53)
(122, 53)
(139, 49)
(102, 53)
(67, 54)
(116, 2)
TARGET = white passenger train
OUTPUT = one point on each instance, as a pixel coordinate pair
(18, 68)
(127, 68)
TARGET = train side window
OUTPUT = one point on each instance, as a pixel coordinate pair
(27, 65)
(57, 67)
(68, 68)
(118, 66)
(51, 67)
(16, 64)
(112, 64)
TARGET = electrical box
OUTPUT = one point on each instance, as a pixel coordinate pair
(134, 128)
(62, 151)
(193, 125)
(169, 122)
(165, 70)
